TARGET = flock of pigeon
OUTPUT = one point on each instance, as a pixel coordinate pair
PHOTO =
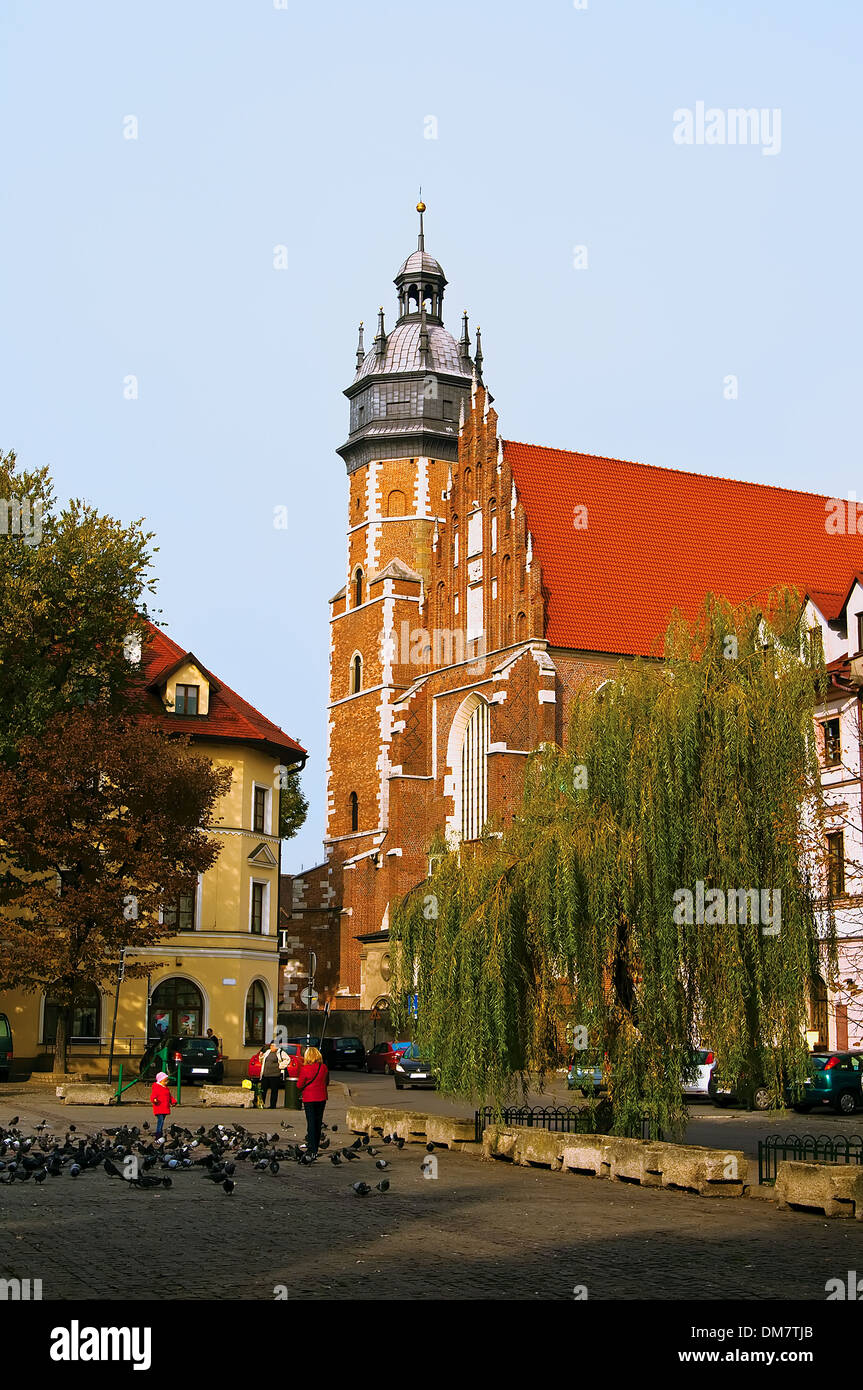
(136, 1157)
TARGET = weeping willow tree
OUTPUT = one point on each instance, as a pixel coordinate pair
(660, 885)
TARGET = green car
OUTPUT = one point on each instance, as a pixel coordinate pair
(833, 1078)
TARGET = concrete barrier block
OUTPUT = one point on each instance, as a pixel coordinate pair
(834, 1188)
(377, 1119)
(584, 1153)
(450, 1131)
(82, 1094)
(710, 1172)
(236, 1096)
(631, 1160)
(499, 1141)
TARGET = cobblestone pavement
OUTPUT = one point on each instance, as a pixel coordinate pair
(480, 1231)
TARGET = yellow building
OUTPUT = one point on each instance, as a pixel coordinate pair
(220, 970)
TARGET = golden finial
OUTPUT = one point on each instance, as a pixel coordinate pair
(421, 207)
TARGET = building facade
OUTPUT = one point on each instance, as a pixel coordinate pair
(488, 581)
(220, 968)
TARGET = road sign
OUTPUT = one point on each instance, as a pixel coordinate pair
(309, 996)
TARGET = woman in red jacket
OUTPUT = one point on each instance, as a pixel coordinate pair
(161, 1100)
(312, 1086)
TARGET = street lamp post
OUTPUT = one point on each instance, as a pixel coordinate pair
(313, 965)
(121, 970)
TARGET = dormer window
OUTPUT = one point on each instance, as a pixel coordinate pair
(186, 699)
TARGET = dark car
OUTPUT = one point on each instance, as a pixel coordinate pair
(343, 1052)
(5, 1048)
(383, 1058)
(199, 1060)
(832, 1078)
(307, 1040)
(413, 1070)
(726, 1090)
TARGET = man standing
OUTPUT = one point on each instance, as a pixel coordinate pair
(274, 1061)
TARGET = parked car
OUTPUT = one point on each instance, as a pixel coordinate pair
(307, 1040)
(725, 1091)
(343, 1052)
(199, 1060)
(5, 1048)
(588, 1073)
(413, 1070)
(832, 1078)
(383, 1058)
(696, 1080)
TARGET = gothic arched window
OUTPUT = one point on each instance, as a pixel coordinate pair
(356, 674)
(474, 777)
(520, 627)
(358, 586)
(354, 803)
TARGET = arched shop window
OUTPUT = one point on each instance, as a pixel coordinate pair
(256, 1014)
(176, 1009)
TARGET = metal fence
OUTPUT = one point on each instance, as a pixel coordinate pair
(821, 1148)
(559, 1119)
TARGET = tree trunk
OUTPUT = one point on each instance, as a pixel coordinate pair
(61, 1042)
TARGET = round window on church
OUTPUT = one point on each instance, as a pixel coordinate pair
(386, 967)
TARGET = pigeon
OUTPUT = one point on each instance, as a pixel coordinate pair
(74, 1170)
(13, 1122)
(41, 1175)
(388, 1138)
(382, 1163)
(430, 1148)
(364, 1140)
(357, 1144)
(111, 1169)
(229, 1185)
(274, 1167)
(333, 1128)
(372, 1153)
(383, 1185)
(361, 1189)
(398, 1141)
(349, 1155)
(335, 1159)
(167, 1182)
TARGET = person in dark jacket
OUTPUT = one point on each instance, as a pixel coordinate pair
(312, 1086)
(274, 1062)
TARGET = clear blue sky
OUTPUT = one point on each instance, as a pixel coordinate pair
(305, 127)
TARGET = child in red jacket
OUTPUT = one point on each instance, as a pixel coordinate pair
(162, 1101)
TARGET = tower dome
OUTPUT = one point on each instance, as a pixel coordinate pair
(409, 387)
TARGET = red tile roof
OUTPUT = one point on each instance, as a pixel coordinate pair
(230, 716)
(657, 539)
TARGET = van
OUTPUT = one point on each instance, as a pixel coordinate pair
(5, 1048)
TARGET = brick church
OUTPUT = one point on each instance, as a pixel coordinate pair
(485, 582)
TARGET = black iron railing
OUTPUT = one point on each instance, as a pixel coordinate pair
(558, 1119)
(821, 1148)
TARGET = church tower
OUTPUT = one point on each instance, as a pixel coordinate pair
(409, 391)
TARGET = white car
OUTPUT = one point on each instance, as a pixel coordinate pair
(696, 1081)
